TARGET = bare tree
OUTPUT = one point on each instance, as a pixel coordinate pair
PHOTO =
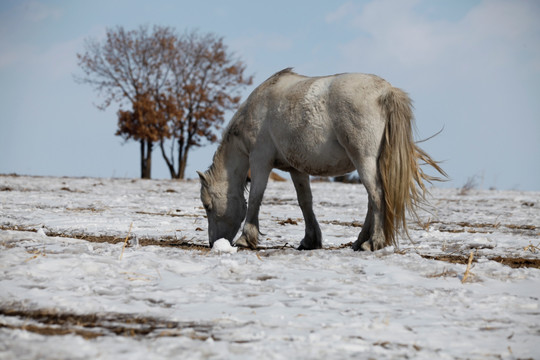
(131, 68)
(177, 88)
(207, 80)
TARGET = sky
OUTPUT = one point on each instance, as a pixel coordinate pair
(471, 67)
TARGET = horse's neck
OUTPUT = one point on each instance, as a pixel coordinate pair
(231, 164)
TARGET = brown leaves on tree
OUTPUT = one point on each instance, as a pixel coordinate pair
(177, 89)
(145, 121)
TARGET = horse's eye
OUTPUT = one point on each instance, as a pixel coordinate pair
(207, 207)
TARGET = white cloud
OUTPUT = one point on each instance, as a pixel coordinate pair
(496, 32)
(266, 42)
(51, 61)
(341, 12)
(60, 59)
(505, 31)
(38, 11)
(255, 47)
(18, 27)
(10, 55)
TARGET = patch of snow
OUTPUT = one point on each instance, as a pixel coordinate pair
(62, 279)
(223, 246)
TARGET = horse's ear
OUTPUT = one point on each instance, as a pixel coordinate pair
(202, 176)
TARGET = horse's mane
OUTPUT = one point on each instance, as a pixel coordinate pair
(233, 129)
(215, 171)
(274, 78)
(217, 161)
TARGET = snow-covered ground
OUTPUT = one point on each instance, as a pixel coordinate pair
(70, 290)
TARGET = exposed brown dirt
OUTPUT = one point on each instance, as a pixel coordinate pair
(342, 223)
(187, 245)
(508, 261)
(517, 262)
(289, 221)
(89, 326)
(463, 226)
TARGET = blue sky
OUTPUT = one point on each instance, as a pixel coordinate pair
(471, 67)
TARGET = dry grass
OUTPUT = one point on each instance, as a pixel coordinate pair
(444, 273)
(289, 221)
(86, 209)
(170, 213)
(90, 326)
(532, 248)
(470, 184)
(342, 223)
(36, 254)
(125, 241)
(477, 228)
(468, 269)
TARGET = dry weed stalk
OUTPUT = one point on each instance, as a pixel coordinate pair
(425, 225)
(444, 273)
(467, 270)
(36, 253)
(470, 184)
(532, 248)
(125, 241)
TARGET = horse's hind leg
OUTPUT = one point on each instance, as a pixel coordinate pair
(372, 235)
(367, 228)
(313, 237)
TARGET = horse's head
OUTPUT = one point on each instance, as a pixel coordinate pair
(225, 208)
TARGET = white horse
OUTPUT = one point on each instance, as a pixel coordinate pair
(325, 126)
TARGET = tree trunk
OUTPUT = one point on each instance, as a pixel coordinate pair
(149, 148)
(180, 174)
(183, 164)
(169, 163)
(143, 163)
(146, 159)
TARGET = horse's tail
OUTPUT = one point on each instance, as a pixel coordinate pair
(401, 175)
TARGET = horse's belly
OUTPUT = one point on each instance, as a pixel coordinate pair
(327, 159)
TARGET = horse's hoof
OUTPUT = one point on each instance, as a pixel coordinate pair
(304, 247)
(241, 242)
(244, 243)
(361, 246)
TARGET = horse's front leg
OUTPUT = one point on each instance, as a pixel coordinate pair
(313, 237)
(259, 180)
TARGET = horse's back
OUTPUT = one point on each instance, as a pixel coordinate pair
(325, 103)
(291, 87)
